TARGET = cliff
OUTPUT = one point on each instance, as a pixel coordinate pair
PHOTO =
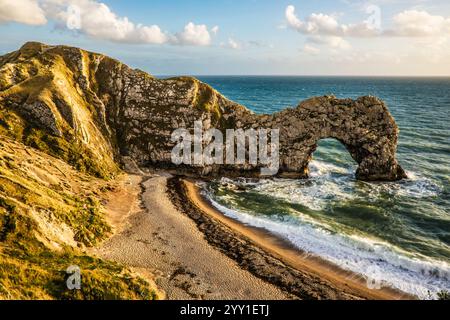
(93, 111)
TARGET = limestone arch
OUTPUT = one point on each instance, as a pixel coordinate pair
(364, 126)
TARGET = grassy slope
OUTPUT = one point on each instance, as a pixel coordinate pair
(28, 76)
(50, 184)
(48, 213)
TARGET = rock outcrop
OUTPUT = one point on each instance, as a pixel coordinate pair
(92, 110)
(364, 126)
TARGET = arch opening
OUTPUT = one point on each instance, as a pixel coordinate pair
(330, 155)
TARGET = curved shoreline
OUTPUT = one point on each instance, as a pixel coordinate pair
(164, 246)
(272, 258)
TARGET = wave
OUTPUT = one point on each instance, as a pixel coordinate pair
(379, 262)
(332, 184)
(320, 168)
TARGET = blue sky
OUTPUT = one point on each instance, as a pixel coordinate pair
(296, 37)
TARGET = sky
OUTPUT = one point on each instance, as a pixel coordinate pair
(244, 37)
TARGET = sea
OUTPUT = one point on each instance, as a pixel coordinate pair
(394, 234)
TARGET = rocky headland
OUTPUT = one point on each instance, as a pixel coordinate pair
(96, 112)
(71, 120)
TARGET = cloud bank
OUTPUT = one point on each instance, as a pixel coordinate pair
(326, 25)
(409, 23)
(414, 23)
(22, 11)
(325, 30)
(98, 21)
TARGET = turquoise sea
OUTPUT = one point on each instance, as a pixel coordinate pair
(395, 234)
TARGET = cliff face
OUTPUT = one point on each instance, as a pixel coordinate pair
(93, 111)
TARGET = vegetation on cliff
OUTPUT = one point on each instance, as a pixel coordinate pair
(43, 105)
(49, 212)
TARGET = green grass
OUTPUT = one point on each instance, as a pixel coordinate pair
(206, 100)
(37, 77)
(33, 262)
(41, 274)
(69, 150)
(29, 270)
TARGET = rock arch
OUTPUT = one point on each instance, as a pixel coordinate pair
(364, 126)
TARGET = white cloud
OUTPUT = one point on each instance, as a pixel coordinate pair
(432, 32)
(96, 20)
(414, 23)
(292, 19)
(194, 35)
(22, 11)
(367, 58)
(233, 44)
(259, 44)
(323, 24)
(309, 49)
(334, 42)
(409, 23)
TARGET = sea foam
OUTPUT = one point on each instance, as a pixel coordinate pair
(372, 259)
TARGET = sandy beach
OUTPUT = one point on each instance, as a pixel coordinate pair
(162, 244)
(167, 232)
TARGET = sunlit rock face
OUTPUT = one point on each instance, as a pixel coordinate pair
(90, 103)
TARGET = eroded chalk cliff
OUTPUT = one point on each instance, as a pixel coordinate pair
(92, 111)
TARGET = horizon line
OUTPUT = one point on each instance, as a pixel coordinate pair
(301, 75)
